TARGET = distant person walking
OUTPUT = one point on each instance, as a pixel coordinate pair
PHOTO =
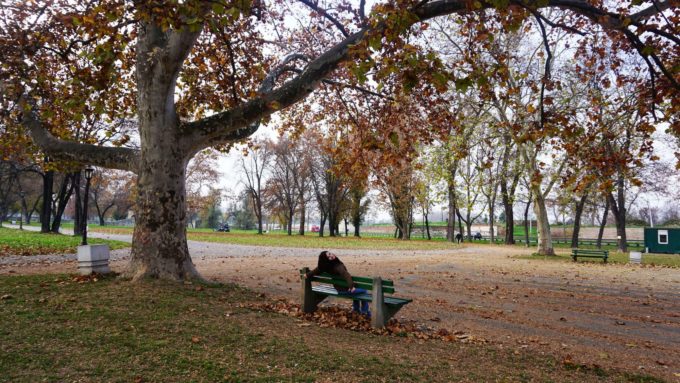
(329, 263)
(459, 237)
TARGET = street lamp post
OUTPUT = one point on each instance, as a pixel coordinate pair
(88, 177)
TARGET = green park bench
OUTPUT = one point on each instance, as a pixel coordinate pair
(382, 307)
(576, 253)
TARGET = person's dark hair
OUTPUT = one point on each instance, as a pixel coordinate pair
(325, 265)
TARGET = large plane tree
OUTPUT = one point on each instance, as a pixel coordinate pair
(196, 74)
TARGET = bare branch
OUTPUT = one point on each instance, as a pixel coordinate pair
(350, 86)
(325, 14)
(548, 61)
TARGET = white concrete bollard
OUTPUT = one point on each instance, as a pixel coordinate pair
(635, 257)
(93, 259)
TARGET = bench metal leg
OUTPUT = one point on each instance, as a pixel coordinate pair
(378, 308)
(310, 300)
(381, 313)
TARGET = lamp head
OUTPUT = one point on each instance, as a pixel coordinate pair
(88, 172)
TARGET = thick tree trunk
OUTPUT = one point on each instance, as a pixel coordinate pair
(545, 245)
(289, 225)
(526, 221)
(65, 191)
(332, 219)
(451, 220)
(322, 223)
(509, 215)
(577, 220)
(258, 213)
(301, 231)
(46, 212)
(619, 209)
(600, 233)
(357, 228)
(159, 244)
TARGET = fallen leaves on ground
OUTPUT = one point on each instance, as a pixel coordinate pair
(94, 277)
(340, 317)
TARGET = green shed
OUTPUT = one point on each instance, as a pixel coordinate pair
(662, 240)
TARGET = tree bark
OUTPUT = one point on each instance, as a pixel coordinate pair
(322, 223)
(492, 212)
(618, 207)
(577, 220)
(451, 220)
(159, 244)
(427, 225)
(526, 220)
(509, 215)
(545, 246)
(46, 211)
(302, 214)
(600, 233)
(65, 191)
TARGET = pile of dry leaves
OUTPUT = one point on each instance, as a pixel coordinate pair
(340, 317)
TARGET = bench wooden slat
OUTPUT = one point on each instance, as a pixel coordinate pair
(359, 282)
(586, 253)
(327, 290)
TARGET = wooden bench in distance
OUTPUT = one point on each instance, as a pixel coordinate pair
(382, 307)
(576, 253)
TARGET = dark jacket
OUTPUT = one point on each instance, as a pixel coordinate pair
(340, 270)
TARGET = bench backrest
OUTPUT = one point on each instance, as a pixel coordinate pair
(594, 252)
(365, 283)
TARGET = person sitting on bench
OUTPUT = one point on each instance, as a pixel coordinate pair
(329, 263)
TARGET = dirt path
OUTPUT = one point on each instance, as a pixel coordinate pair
(619, 316)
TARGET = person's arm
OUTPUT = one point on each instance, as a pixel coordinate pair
(312, 273)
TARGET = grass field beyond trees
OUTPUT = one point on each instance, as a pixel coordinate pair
(64, 328)
(23, 242)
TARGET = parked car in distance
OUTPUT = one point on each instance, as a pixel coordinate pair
(315, 228)
(223, 227)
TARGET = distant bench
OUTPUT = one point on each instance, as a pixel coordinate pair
(576, 253)
(382, 307)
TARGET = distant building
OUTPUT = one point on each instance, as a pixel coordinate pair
(662, 240)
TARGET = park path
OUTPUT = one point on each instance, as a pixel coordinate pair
(614, 316)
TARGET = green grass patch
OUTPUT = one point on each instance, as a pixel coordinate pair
(666, 260)
(23, 242)
(311, 240)
(60, 328)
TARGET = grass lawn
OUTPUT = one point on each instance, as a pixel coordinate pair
(668, 260)
(23, 242)
(61, 328)
(278, 239)
(314, 241)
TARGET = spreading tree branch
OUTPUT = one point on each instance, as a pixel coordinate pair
(104, 156)
(240, 121)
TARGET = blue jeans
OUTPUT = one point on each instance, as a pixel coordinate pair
(356, 303)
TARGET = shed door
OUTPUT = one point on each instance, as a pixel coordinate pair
(663, 237)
